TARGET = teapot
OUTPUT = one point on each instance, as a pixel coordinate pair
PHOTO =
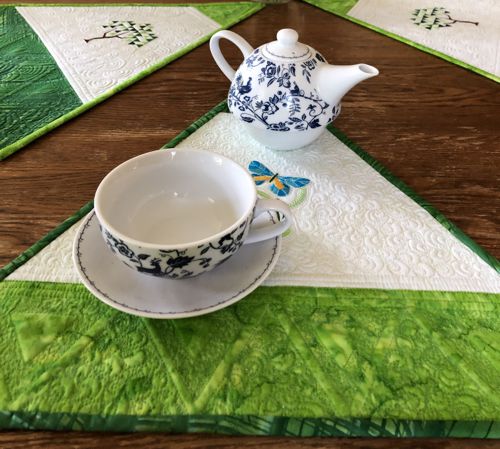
(284, 92)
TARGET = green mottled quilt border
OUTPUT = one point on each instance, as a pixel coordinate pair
(248, 424)
(342, 7)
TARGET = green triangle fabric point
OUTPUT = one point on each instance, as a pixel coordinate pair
(36, 331)
(224, 13)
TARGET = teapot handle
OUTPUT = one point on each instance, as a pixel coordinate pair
(237, 40)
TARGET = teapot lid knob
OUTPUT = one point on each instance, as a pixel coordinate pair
(287, 37)
(286, 46)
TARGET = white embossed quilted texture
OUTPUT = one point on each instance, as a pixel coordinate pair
(353, 229)
(54, 263)
(93, 68)
(477, 45)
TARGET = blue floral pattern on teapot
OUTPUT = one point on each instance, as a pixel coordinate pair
(284, 93)
(296, 104)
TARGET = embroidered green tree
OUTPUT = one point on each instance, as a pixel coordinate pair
(133, 33)
(436, 17)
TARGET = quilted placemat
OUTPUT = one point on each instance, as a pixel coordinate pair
(58, 61)
(464, 32)
(381, 318)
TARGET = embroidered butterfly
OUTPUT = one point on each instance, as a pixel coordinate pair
(280, 185)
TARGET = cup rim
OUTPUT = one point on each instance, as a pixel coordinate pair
(130, 240)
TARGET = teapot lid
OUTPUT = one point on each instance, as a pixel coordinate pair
(286, 46)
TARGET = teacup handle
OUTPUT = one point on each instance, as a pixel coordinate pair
(273, 229)
(237, 40)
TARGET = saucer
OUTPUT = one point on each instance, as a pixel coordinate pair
(131, 292)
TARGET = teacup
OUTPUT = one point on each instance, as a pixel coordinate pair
(180, 213)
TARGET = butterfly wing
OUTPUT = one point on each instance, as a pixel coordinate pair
(278, 187)
(260, 173)
(294, 182)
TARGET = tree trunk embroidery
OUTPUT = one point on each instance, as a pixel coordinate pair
(135, 34)
(436, 17)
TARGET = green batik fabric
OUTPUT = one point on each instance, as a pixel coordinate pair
(339, 6)
(33, 90)
(224, 13)
(411, 362)
(298, 361)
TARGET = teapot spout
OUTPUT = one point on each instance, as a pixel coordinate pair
(334, 81)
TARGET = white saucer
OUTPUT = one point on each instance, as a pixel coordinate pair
(138, 294)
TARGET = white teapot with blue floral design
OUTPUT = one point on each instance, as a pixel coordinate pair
(284, 91)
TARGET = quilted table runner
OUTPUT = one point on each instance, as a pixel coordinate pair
(380, 319)
(465, 32)
(58, 61)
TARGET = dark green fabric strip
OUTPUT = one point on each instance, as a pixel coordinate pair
(251, 425)
(33, 90)
(44, 241)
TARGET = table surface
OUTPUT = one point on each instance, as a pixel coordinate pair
(433, 124)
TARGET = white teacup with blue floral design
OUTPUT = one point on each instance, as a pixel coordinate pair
(180, 213)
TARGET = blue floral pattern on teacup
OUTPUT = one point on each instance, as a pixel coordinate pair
(178, 263)
(286, 100)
